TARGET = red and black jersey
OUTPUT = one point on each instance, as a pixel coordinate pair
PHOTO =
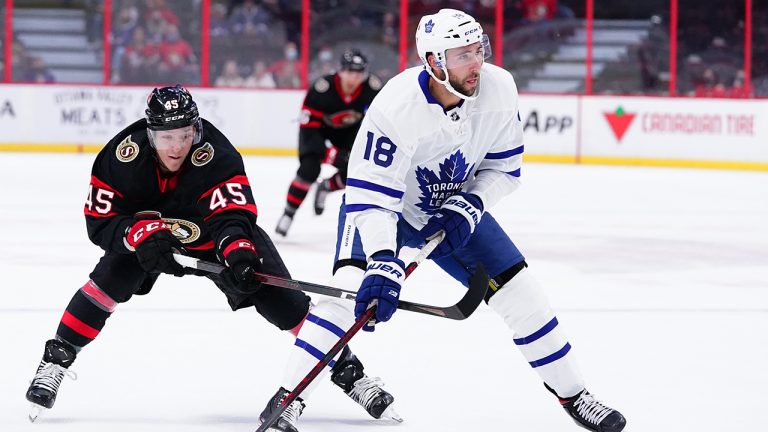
(207, 199)
(330, 115)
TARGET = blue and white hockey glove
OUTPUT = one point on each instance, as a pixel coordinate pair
(457, 217)
(382, 280)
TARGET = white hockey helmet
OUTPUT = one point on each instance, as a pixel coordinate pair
(448, 28)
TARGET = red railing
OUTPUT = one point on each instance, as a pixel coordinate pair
(497, 18)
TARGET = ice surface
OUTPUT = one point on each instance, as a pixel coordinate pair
(659, 277)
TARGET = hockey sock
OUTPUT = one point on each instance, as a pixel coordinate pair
(325, 324)
(525, 308)
(85, 316)
(297, 192)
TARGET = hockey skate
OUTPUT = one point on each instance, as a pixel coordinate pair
(320, 195)
(348, 374)
(289, 418)
(284, 223)
(57, 358)
(592, 414)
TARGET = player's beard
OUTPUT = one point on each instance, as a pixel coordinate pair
(461, 87)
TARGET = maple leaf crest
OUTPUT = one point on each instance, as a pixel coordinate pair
(453, 173)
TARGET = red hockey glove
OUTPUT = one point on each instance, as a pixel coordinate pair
(154, 244)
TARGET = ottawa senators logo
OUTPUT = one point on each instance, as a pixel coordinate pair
(374, 82)
(185, 231)
(322, 85)
(342, 119)
(203, 155)
(127, 150)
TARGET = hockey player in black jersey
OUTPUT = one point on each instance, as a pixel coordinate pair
(332, 111)
(172, 182)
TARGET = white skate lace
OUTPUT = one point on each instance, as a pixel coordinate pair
(50, 375)
(591, 409)
(293, 412)
(365, 390)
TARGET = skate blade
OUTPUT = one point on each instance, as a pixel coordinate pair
(391, 414)
(36, 412)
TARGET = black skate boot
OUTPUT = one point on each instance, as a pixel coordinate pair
(285, 221)
(590, 413)
(320, 195)
(289, 418)
(348, 374)
(57, 358)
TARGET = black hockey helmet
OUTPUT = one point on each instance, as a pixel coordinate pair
(172, 108)
(354, 60)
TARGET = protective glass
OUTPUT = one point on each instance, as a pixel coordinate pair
(168, 139)
(463, 56)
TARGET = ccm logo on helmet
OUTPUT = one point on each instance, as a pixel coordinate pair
(172, 118)
(471, 31)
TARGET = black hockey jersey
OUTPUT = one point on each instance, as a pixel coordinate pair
(208, 198)
(329, 115)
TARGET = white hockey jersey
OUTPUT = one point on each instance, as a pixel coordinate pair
(410, 154)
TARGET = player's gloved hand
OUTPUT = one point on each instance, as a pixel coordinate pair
(457, 217)
(244, 262)
(154, 244)
(382, 280)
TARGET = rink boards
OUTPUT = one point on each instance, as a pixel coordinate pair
(621, 130)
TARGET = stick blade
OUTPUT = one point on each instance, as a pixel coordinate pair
(478, 285)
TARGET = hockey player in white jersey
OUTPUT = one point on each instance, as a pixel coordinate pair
(439, 146)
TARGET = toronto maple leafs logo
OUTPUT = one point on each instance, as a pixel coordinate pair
(428, 26)
(436, 188)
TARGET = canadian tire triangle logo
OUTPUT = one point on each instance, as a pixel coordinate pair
(619, 121)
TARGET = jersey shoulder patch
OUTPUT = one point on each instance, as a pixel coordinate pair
(202, 155)
(322, 85)
(374, 82)
(127, 150)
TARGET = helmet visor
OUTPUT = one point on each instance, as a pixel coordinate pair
(171, 138)
(467, 55)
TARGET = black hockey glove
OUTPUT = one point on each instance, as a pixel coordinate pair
(154, 244)
(243, 262)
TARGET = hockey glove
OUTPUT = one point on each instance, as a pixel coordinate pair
(154, 244)
(457, 217)
(244, 262)
(381, 282)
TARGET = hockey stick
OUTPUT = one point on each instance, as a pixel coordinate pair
(478, 285)
(458, 311)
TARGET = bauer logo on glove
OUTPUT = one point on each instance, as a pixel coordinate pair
(384, 268)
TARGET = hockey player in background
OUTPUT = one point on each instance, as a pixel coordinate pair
(439, 146)
(332, 111)
(175, 164)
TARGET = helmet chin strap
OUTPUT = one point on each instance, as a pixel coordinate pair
(447, 84)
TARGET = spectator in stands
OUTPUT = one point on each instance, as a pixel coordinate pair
(250, 19)
(230, 76)
(389, 30)
(260, 77)
(219, 22)
(140, 59)
(125, 23)
(19, 61)
(538, 10)
(709, 85)
(288, 70)
(158, 10)
(177, 60)
(94, 22)
(738, 90)
(324, 64)
(37, 72)
(288, 76)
